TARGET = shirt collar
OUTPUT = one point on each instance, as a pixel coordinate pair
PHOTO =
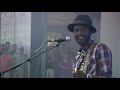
(87, 46)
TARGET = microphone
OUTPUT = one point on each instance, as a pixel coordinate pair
(60, 40)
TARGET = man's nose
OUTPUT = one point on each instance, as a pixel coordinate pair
(80, 31)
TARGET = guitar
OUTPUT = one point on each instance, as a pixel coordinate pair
(81, 62)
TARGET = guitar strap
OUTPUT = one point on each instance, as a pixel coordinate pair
(86, 60)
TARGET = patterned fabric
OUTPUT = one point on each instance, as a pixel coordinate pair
(99, 61)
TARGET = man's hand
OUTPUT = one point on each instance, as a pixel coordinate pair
(79, 74)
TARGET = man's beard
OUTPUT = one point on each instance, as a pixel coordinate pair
(82, 39)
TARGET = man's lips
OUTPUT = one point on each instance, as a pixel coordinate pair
(81, 38)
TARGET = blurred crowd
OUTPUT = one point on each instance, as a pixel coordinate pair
(10, 56)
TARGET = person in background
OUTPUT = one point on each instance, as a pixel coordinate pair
(64, 65)
(50, 65)
(13, 49)
(6, 61)
(8, 46)
(21, 71)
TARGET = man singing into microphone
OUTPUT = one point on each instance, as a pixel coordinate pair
(94, 60)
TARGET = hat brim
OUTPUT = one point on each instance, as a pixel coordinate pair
(71, 27)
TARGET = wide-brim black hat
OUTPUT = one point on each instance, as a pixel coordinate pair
(83, 20)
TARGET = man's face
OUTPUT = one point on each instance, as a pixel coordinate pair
(82, 34)
(8, 45)
(5, 49)
(14, 47)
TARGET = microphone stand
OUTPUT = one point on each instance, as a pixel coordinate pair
(38, 49)
(2, 73)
